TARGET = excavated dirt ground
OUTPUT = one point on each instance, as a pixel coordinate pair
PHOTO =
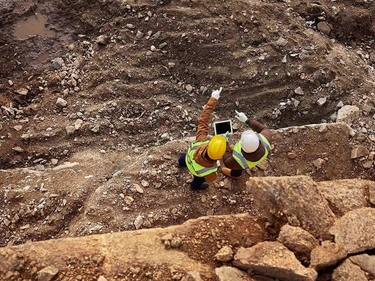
(135, 75)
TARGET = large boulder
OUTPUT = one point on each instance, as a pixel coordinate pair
(345, 195)
(348, 271)
(365, 262)
(327, 254)
(298, 199)
(298, 240)
(355, 231)
(274, 260)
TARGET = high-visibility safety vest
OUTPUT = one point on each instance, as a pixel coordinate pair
(194, 167)
(241, 160)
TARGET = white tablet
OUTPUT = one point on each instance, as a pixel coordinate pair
(222, 127)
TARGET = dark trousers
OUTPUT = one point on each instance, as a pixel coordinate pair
(197, 181)
(236, 173)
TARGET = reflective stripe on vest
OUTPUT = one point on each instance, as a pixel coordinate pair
(241, 160)
(194, 167)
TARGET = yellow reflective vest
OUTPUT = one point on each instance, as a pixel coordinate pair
(241, 160)
(194, 167)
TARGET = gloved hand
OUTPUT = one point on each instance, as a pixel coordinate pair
(226, 135)
(241, 116)
(216, 93)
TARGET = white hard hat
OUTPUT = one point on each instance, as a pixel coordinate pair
(249, 141)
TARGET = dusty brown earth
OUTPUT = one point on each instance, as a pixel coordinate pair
(98, 103)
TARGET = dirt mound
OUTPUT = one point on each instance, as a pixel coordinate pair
(135, 74)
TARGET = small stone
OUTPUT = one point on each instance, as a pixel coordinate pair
(57, 63)
(69, 130)
(78, 124)
(6, 222)
(165, 136)
(18, 149)
(322, 128)
(136, 188)
(22, 91)
(128, 200)
(189, 88)
(321, 101)
(95, 129)
(145, 183)
(176, 242)
(139, 34)
(347, 114)
(138, 222)
(318, 163)
(281, 42)
(324, 27)
(291, 155)
(367, 164)
(61, 102)
(224, 254)
(26, 226)
(17, 128)
(102, 39)
(47, 273)
(359, 151)
(299, 91)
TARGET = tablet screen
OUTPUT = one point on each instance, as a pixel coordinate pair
(222, 127)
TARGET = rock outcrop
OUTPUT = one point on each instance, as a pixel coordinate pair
(230, 247)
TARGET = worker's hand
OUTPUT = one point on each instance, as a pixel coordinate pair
(241, 116)
(226, 135)
(216, 93)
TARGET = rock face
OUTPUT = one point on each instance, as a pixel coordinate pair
(365, 262)
(355, 231)
(297, 240)
(231, 247)
(343, 196)
(227, 273)
(326, 255)
(273, 259)
(298, 199)
(348, 271)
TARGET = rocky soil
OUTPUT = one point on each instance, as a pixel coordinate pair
(98, 100)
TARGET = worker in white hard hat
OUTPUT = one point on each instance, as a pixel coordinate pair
(202, 155)
(253, 148)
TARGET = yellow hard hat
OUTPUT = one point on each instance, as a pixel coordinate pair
(217, 147)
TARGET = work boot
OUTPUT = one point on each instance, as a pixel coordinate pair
(227, 172)
(204, 185)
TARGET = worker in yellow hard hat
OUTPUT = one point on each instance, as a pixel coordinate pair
(252, 149)
(202, 154)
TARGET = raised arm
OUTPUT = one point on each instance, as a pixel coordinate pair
(204, 118)
(255, 125)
